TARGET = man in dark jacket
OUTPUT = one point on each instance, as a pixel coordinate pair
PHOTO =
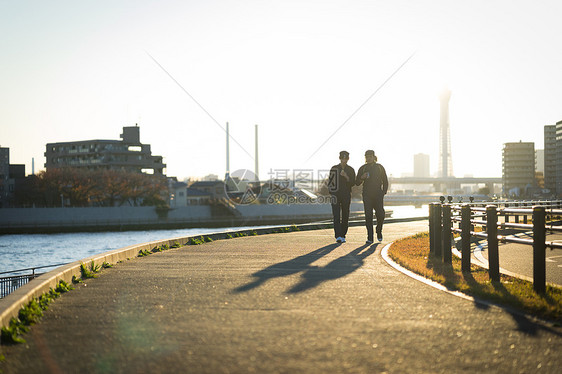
(341, 179)
(375, 185)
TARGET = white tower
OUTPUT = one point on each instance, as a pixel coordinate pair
(227, 175)
(445, 160)
(256, 170)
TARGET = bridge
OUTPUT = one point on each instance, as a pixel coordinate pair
(450, 182)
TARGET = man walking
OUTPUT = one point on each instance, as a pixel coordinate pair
(375, 185)
(340, 181)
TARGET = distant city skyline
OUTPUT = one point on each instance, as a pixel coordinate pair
(298, 69)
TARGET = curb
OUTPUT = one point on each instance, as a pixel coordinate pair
(12, 303)
(479, 260)
(439, 286)
(411, 274)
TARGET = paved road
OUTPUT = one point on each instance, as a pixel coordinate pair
(284, 303)
(518, 258)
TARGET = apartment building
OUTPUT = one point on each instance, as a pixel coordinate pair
(518, 168)
(127, 154)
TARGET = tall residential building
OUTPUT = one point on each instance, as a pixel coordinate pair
(558, 162)
(128, 154)
(421, 165)
(518, 171)
(550, 158)
(539, 161)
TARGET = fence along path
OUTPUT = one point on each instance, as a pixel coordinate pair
(442, 217)
(9, 283)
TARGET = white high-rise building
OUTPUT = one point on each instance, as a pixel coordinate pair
(421, 165)
(539, 160)
(550, 158)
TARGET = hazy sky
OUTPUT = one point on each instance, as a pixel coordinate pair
(79, 70)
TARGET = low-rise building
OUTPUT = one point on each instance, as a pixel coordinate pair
(128, 154)
(215, 189)
(177, 193)
(197, 197)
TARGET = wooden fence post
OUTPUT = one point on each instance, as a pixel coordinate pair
(493, 255)
(539, 249)
(465, 234)
(437, 239)
(447, 254)
(431, 228)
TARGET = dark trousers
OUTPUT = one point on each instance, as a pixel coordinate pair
(340, 210)
(375, 202)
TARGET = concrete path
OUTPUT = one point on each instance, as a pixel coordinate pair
(518, 258)
(283, 303)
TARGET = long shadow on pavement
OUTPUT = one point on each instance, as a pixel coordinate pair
(286, 268)
(524, 324)
(338, 268)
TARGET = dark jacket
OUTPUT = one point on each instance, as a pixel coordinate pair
(377, 181)
(337, 184)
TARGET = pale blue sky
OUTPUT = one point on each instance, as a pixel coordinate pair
(80, 70)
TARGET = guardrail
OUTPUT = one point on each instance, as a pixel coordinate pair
(443, 216)
(9, 284)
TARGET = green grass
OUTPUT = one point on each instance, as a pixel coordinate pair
(144, 253)
(31, 314)
(94, 268)
(75, 279)
(86, 273)
(195, 241)
(413, 254)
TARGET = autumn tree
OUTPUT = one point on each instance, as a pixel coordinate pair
(83, 187)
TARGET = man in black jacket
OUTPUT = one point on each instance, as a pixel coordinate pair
(341, 179)
(375, 187)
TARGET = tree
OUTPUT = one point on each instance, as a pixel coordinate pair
(83, 187)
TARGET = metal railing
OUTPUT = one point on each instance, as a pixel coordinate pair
(443, 216)
(9, 284)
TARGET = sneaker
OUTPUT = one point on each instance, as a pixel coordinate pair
(338, 239)
(379, 236)
(342, 239)
(369, 241)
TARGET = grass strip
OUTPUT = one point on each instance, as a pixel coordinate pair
(413, 254)
(31, 314)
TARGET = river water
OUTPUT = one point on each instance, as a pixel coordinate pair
(31, 250)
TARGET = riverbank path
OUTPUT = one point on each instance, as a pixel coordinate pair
(281, 303)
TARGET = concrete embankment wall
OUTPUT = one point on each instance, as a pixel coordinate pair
(107, 218)
(25, 220)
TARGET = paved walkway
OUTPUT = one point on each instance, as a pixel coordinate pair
(283, 303)
(518, 258)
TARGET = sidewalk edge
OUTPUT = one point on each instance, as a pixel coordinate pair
(439, 286)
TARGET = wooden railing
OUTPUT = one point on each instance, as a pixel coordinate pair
(489, 217)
